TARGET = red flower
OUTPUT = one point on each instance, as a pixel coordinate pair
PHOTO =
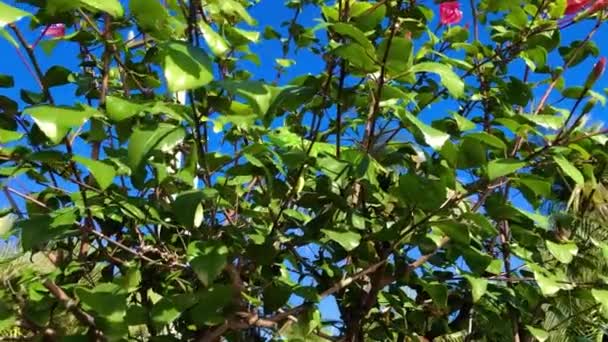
(596, 72)
(574, 6)
(599, 68)
(449, 12)
(55, 30)
(599, 5)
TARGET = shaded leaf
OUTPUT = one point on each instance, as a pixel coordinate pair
(208, 260)
(188, 208)
(144, 140)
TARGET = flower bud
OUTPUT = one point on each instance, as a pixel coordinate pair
(55, 30)
(596, 72)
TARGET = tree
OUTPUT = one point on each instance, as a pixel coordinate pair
(399, 194)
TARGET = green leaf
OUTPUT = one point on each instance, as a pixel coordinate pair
(350, 31)
(275, 296)
(285, 63)
(104, 174)
(130, 280)
(479, 286)
(55, 122)
(563, 252)
(463, 123)
(471, 154)
(112, 7)
(7, 36)
(9, 14)
(185, 67)
(105, 300)
(367, 15)
(56, 76)
(258, 94)
(209, 310)
(569, 169)
(449, 78)
(538, 333)
(517, 18)
(8, 317)
(399, 58)
(458, 232)
(240, 37)
(8, 136)
(421, 192)
(154, 19)
(347, 239)
(432, 136)
(601, 296)
(164, 312)
(119, 109)
(188, 208)
(6, 81)
(234, 8)
(145, 140)
(502, 167)
(438, 293)
(216, 43)
(540, 186)
(208, 260)
(557, 8)
(39, 228)
(487, 139)
(357, 56)
(546, 121)
(548, 286)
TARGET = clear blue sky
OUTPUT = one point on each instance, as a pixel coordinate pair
(268, 13)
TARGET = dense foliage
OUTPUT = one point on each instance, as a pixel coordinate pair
(438, 179)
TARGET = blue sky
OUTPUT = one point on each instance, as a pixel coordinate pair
(268, 13)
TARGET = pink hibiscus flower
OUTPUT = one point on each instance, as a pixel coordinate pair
(449, 12)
